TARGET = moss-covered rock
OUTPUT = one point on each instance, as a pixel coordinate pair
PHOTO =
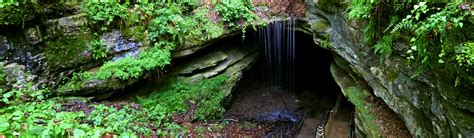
(67, 52)
(357, 95)
(66, 26)
(462, 120)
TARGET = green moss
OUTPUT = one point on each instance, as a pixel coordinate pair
(461, 118)
(391, 74)
(66, 52)
(319, 25)
(356, 96)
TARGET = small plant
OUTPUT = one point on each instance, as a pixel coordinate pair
(175, 96)
(236, 10)
(465, 55)
(97, 48)
(384, 46)
(104, 13)
(21, 95)
(168, 25)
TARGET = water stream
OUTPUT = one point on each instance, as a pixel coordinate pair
(278, 40)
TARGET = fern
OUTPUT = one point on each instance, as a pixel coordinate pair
(384, 46)
(370, 32)
(361, 9)
(404, 25)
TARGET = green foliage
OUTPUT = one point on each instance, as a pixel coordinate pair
(133, 67)
(114, 120)
(176, 96)
(47, 119)
(361, 9)
(17, 96)
(435, 33)
(16, 13)
(201, 28)
(168, 24)
(465, 56)
(97, 48)
(437, 40)
(384, 46)
(232, 11)
(104, 13)
(40, 119)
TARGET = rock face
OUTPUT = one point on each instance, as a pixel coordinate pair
(429, 104)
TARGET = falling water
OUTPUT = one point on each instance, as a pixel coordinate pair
(278, 40)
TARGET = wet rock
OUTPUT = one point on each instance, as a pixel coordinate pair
(4, 46)
(280, 116)
(119, 46)
(191, 48)
(16, 76)
(319, 24)
(210, 60)
(33, 35)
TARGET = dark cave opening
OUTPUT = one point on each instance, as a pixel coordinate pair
(307, 92)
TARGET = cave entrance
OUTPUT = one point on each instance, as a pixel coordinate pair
(290, 85)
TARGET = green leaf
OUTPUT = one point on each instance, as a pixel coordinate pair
(4, 125)
(78, 133)
(36, 129)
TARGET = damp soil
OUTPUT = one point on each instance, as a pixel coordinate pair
(389, 123)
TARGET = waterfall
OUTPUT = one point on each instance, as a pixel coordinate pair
(278, 40)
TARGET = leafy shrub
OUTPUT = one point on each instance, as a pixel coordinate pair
(168, 24)
(175, 96)
(235, 10)
(437, 35)
(115, 120)
(16, 13)
(104, 13)
(361, 9)
(21, 95)
(384, 46)
(131, 67)
(465, 55)
(97, 48)
(443, 28)
(47, 119)
(201, 28)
